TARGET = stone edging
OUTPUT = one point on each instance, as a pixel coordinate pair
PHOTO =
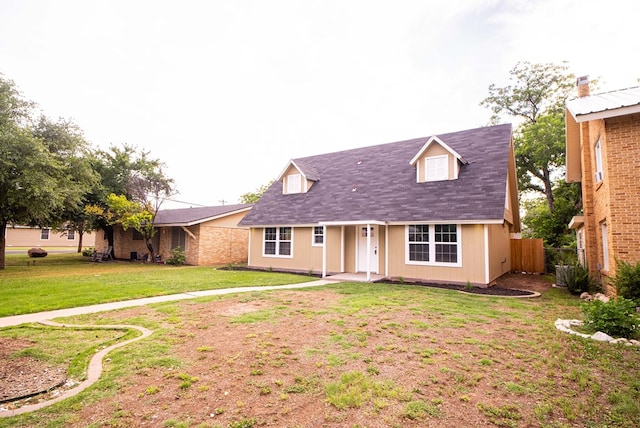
(565, 326)
(93, 372)
(524, 296)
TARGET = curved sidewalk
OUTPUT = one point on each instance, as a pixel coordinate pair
(48, 315)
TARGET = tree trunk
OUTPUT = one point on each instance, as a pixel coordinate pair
(80, 233)
(3, 243)
(149, 245)
(548, 191)
(108, 230)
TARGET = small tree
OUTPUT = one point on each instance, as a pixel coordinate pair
(253, 197)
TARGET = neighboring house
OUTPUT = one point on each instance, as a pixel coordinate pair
(27, 236)
(440, 208)
(603, 152)
(209, 235)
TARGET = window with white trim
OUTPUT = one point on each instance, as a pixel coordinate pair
(71, 235)
(278, 241)
(436, 168)
(294, 183)
(318, 236)
(599, 175)
(435, 244)
(44, 233)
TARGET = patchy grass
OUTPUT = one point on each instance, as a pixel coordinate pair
(27, 288)
(350, 355)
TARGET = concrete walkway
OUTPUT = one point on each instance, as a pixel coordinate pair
(44, 316)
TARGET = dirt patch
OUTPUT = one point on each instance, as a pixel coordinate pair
(274, 369)
(23, 376)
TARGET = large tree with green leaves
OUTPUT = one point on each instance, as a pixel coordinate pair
(66, 143)
(40, 175)
(132, 174)
(535, 97)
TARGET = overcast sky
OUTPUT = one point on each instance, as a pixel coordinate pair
(227, 92)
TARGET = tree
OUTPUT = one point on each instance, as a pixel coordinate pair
(552, 226)
(66, 143)
(35, 183)
(134, 176)
(536, 97)
(253, 197)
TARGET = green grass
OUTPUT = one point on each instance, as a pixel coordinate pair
(408, 356)
(69, 280)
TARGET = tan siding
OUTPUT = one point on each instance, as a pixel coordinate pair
(472, 268)
(436, 149)
(305, 256)
(574, 172)
(30, 237)
(499, 251)
(333, 242)
(350, 248)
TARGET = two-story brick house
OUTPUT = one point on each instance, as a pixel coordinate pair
(603, 153)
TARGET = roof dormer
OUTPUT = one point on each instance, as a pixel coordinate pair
(436, 161)
(297, 177)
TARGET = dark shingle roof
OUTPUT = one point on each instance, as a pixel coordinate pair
(386, 188)
(189, 216)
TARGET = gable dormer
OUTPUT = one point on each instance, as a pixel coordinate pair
(436, 161)
(297, 177)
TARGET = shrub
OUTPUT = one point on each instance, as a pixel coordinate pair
(617, 317)
(87, 251)
(627, 280)
(177, 257)
(578, 279)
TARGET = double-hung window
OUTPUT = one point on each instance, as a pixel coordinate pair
(278, 241)
(419, 242)
(44, 233)
(318, 236)
(436, 168)
(599, 171)
(433, 244)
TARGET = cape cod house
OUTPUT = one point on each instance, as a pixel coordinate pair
(603, 148)
(440, 209)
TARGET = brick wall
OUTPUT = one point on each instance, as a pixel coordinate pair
(223, 245)
(615, 200)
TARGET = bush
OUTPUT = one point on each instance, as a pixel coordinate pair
(627, 280)
(617, 317)
(87, 251)
(177, 257)
(578, 279)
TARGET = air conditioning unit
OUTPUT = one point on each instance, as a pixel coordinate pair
(598, 176)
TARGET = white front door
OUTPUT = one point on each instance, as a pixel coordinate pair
(362, 249)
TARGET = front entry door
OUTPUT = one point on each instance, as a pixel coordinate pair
(362, 249)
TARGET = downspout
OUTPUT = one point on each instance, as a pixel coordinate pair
(486, 254)
(341, 249)
(368, 252)
(386, 250)
(324, 251)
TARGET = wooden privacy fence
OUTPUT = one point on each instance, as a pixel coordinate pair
(527, 255)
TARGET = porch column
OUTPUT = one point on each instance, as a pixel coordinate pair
(368, 252)
(324, 251)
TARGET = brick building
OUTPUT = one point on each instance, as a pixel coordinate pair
(209, 235)
(603, 154)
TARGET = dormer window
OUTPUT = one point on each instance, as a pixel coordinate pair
(294, 183)
(297, 177)
(436, 168)
(436, 161)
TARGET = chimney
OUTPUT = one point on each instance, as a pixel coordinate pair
(583, 86)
